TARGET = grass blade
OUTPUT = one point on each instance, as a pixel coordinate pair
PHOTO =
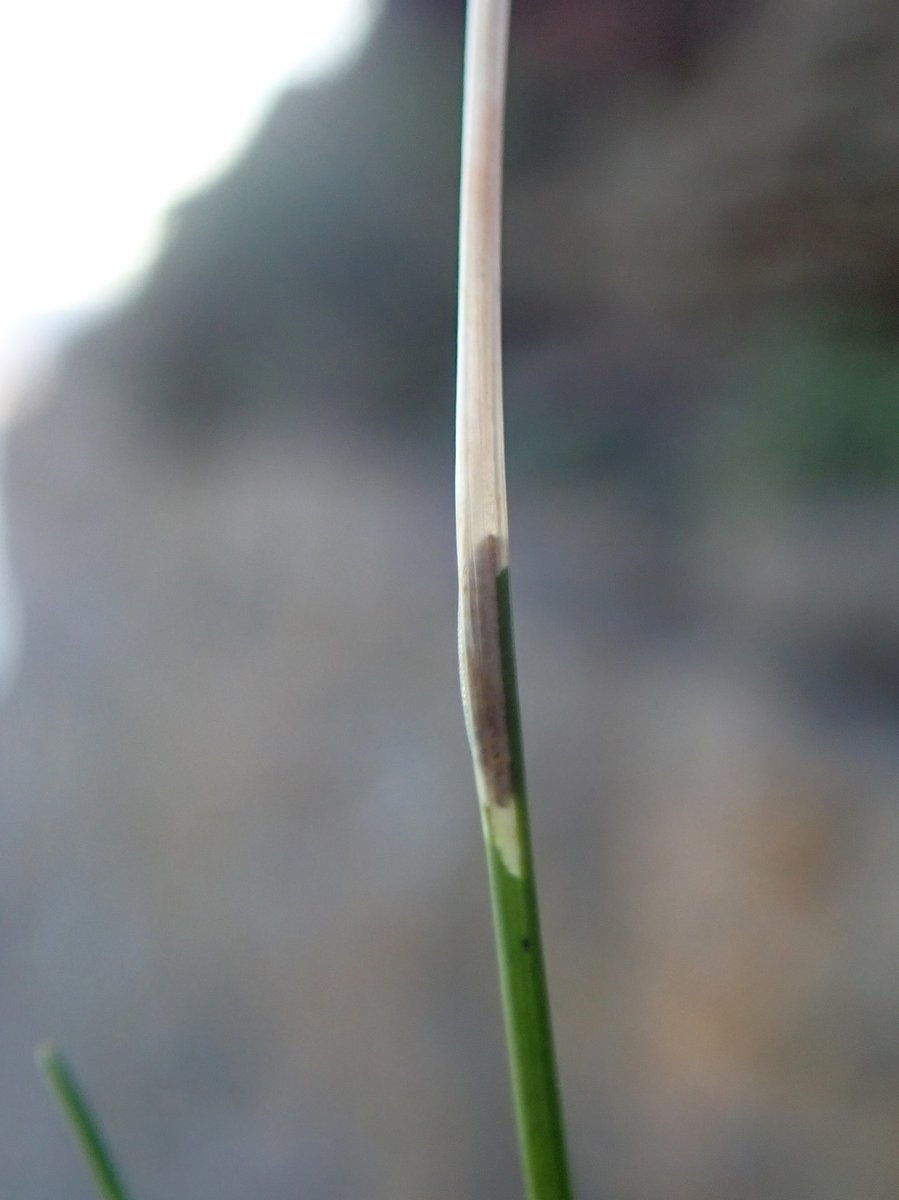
(83, 1123)
(486, 652)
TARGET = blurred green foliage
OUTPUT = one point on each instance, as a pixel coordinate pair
(815, 408)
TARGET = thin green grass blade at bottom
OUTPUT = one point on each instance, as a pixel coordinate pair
(532, 1058)
(535, 1087)
(83, 1123)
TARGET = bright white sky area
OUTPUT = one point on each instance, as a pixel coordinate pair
(110, 111)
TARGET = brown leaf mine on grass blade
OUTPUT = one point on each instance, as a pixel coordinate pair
(484, 686)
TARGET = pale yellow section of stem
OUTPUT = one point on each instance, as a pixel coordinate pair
(504, 831)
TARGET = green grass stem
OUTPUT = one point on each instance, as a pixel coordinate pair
(83, 1122)
(538, 1107)
(486, 651)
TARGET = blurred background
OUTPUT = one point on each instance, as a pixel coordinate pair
(242, 880)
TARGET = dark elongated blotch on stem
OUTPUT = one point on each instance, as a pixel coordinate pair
(483, 678)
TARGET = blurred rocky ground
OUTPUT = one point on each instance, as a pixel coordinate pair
(242, 878)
